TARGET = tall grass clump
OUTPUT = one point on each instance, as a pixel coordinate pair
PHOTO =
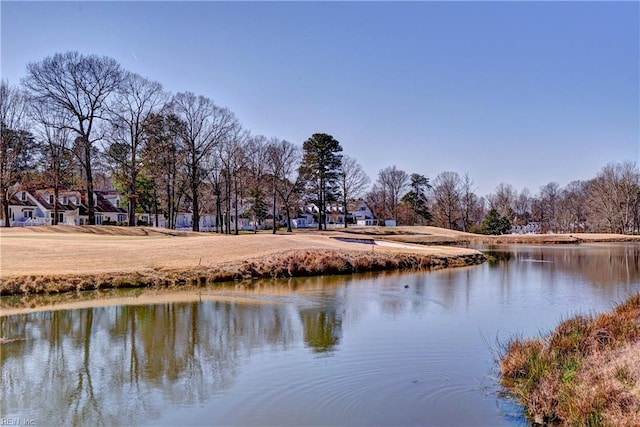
(585, 373)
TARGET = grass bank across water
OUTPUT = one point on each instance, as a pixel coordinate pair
(427, 235)
(586, 372)
(66, 258)
(287, 264)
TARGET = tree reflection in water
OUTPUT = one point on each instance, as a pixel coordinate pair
(598, 264)
(120, 365)
(322, 328)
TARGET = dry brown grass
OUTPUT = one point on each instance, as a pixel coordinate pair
(63, 259)
(587, 372)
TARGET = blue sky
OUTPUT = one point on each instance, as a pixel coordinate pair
(518, 92)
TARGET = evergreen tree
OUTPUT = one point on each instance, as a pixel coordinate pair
(320, 171)
(416, 199)
(495, 224)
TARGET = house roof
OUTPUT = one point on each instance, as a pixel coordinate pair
(42, 196)
(15, 201)
(104, 205)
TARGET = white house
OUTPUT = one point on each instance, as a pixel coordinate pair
(107, 208)
(360, 212)
(24, 210)
(530, 228)
(38, 208)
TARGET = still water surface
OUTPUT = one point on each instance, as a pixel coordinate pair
(388, 349)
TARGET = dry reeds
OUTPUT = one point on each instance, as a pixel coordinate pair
(587, 372)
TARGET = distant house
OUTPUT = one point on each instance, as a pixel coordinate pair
(530, 228)
(23, 210)
(68, 203)
(28, 208)
(107, 208)
(301, 222)
(208, 222)
(306, 216)
(38, 208)
(358, 213)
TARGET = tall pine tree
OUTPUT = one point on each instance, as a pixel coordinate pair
(416, 199)
(320, 171)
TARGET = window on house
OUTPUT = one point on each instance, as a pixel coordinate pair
(122, 217)
(51, 198)
(24, 196)
(60, 218)
(98, 219)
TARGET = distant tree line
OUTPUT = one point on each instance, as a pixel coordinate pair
(609, 202)
(83, 122)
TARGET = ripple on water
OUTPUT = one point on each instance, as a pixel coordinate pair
(348, 385)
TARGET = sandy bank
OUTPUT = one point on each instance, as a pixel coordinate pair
(60, 259)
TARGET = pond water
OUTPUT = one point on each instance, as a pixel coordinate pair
(385, 349)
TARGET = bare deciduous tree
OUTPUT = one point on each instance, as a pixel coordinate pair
(130, 110)
(376, 200)
(285, 157)
(81, 85)
(471, 209)
(15, 142)
(259, 168)
(164, 159)
(215, 179)
(353, 183)
(612, 198)
(232, 157)
(503, 200)
(549, 198)
(571, 216)
(206, 127)
(446, 200)
(393, 182)
(522, 207)
(55, 147)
